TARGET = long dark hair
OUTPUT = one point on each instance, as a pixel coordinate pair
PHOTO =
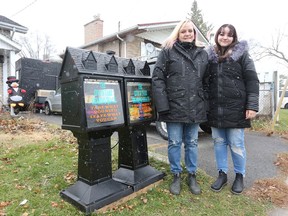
(223, 53)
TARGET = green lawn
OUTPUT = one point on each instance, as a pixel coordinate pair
(281, 125)
(37, 173)
(284, 115)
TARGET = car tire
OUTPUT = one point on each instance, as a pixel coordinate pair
(47, 110)
(286, 106)
(162, 129)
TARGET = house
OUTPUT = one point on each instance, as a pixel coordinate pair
(142, 41)
(8, 50)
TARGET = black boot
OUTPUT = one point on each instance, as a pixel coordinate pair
(238, 184)
(193, 185)
(220, 182)
(175, 187)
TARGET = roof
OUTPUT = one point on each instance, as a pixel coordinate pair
(8, 44)
(135, 30)
(156, 32)
(99, 65)
(8, 24)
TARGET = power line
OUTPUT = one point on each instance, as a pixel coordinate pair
(25, 8)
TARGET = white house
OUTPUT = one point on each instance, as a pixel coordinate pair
(8, 50)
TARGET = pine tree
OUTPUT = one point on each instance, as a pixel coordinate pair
(197, 18)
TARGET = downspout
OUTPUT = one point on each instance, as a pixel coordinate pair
(124, 42)
(13, 32)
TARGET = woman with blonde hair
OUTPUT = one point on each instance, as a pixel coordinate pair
(180, 100)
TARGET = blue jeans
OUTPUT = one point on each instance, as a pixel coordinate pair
(234, 138)
(178, 133)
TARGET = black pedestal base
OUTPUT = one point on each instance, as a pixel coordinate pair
(92, 197)
(138, 178)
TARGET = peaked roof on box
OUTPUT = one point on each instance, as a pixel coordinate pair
(80, 55)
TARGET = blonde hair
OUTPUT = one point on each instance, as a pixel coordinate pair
(169, 42)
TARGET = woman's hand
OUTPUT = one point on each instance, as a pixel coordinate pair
(250, 114)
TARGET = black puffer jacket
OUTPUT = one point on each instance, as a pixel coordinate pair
(177, 84)
(233, 88)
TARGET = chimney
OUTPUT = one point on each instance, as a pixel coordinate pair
(93, 30)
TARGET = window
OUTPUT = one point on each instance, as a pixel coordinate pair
(286, 94)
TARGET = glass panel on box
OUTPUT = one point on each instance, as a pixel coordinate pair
(139, 101)
(103, 103)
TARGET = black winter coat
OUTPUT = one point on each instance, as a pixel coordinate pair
(233, 88)
(177, 84)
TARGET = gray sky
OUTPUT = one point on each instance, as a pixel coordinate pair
(63, 21)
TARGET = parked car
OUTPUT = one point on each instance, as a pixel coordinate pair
(162, 129)
(53, 102)
(284, 104)
(39, 100)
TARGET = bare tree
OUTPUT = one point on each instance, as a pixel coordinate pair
(48, 48)
(37, 46)
(278, 48)
(282, 79)
(255, 50)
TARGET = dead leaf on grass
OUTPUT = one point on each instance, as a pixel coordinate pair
(16, 132)
(4, 204)
(282, 162)
(274, 190)
(70, 177)
(20, 187)
(54, 204)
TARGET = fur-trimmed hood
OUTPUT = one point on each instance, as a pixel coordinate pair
(237, 52)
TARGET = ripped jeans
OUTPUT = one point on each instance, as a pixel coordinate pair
(188, 134)
(234, 138)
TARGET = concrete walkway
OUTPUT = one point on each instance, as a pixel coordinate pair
(261, 150)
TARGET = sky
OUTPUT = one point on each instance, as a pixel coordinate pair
(63, 21)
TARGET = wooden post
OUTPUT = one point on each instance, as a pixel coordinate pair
(278, 106)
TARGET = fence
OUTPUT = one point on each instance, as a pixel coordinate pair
(266, 100)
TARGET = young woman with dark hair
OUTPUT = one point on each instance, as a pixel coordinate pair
(233, 102)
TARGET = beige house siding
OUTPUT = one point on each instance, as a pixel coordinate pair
(114, 46)
(94, 48)
(134, 48)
